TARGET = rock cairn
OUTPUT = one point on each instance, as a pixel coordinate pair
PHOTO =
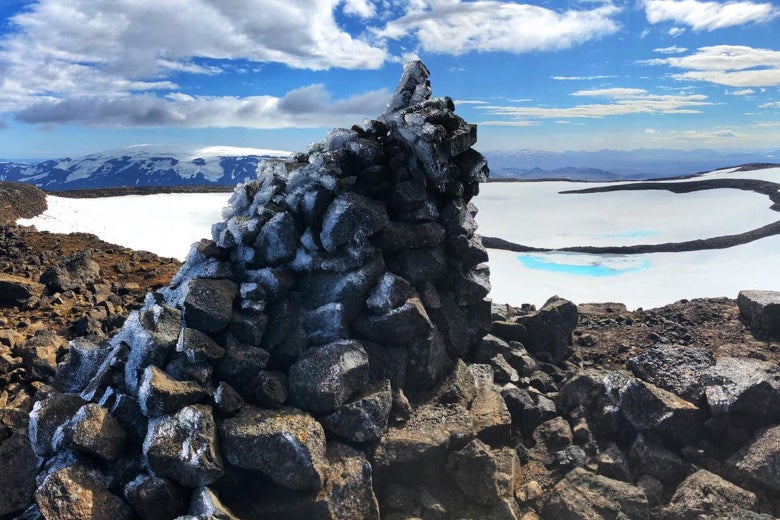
(338, 285)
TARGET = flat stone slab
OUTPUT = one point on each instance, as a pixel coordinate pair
(762, 310)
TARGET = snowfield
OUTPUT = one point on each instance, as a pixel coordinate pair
(528, 213)
(165, 224)
(536, 214)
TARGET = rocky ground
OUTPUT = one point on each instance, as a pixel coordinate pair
(34, 332)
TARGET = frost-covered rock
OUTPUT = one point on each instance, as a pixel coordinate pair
(183, 447)
(325, 377)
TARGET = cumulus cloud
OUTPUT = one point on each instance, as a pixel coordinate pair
(708, 16)
(309, 106)
(623, 101)
(674, 49)
(579, 78)
(674, 32)
(729, 65)
(458, 27)
(772, 104)
(359, 8)
(87, 47)
(741, 92)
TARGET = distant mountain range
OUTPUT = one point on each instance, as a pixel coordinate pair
(147, 165)
(614, 165)
(142, 166)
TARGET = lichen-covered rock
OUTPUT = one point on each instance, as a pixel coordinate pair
(582, 495)
(325, 377)
(758, 463)
(648, 407)
(198, 346)
(94, 432)
(14, 289)
(706, 494)
(364, 419)
(183, 447)
(747, 390)
(160, 394)
(348, 492)
(286, 445)
(482, 475)
(76, 493)
(674, 368)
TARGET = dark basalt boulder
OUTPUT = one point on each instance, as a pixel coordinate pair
(286, 445)
(761, 309)
(583, 495)
(73, 273)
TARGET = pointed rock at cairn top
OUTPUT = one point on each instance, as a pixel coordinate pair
(413, 88)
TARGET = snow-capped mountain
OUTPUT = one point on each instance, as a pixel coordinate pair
(143, 165)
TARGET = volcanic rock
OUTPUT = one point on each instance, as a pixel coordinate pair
(17, 478)
(183, 447)
(706, 494)
(154, 498)
(674, 368)
(286, 445)
(325, 377)
(548, 331)
(72, 273)
(94, 432)
(14, 289)
(762, 310)
(583, 495)
(758, 463)
(747, 390)
(76, 493)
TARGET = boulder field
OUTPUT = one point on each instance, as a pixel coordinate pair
(330, 353)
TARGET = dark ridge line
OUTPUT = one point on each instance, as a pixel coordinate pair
(93, 193)
(768, 188)
(747, 167)
(722, 242)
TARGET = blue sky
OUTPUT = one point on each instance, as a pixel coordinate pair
(81, 76)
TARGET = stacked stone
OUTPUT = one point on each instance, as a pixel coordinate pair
(338, 283)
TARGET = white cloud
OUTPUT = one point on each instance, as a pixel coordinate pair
(623, 101)
(674, 32)
(579, 78)
(741, 92)
(90, 47)
(674, 49)
(359, 8)
(773, 104)
(707, 16)
(695, 135)
(309, 106)
(616, 93)
(457, 27)
(729, 65)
